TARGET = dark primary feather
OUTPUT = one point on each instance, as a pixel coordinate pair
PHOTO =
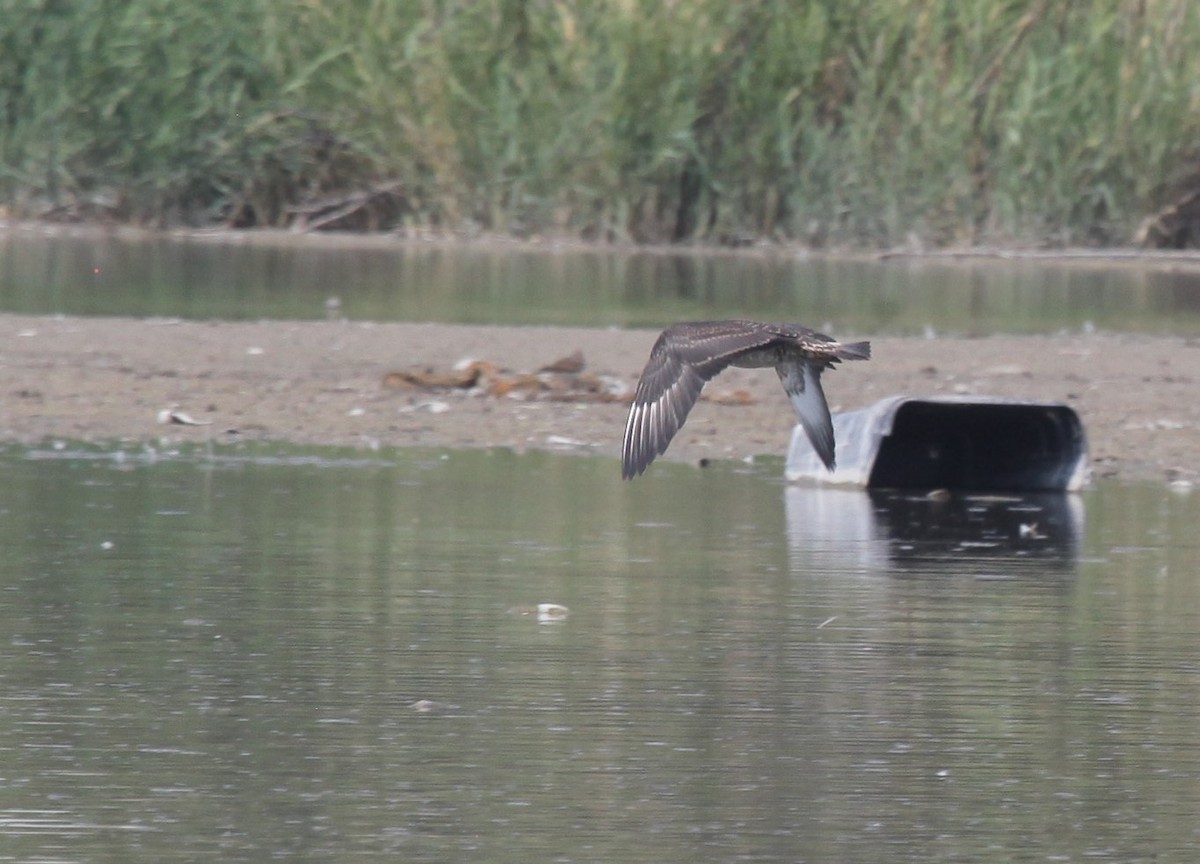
(686, 356)
(802, 382)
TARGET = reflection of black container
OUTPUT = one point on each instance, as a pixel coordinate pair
(841, 530)
(946, 442)
(1043, 526)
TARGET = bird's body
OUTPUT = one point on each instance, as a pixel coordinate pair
(688, 355)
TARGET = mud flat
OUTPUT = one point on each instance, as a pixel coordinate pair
(331, 383)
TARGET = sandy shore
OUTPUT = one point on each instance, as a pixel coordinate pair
(97, 379)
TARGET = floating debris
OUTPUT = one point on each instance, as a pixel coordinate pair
(545, 612)
(551, 612)
(1181, 486)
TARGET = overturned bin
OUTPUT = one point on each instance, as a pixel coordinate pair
(978, 443)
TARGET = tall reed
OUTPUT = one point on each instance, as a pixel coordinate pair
(824, 121)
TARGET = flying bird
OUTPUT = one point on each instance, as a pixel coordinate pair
(690, 354)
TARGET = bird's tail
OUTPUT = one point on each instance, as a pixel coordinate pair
(854, 351)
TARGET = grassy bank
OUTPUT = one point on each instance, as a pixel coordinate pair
(827, 122)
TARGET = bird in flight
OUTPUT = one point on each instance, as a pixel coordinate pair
(690, 354)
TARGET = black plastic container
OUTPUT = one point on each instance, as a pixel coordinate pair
(976, 443)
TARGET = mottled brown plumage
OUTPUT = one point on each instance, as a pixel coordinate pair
(690, 354)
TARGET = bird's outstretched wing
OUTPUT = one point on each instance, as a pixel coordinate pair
(682, 360)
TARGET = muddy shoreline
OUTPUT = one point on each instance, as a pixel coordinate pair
(326, 383)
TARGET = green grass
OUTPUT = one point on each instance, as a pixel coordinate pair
(832, 122)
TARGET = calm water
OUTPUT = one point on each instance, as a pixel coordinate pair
(280, 279)
(257, 654)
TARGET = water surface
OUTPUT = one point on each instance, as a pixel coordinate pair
(254, 653)
(491, 284)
